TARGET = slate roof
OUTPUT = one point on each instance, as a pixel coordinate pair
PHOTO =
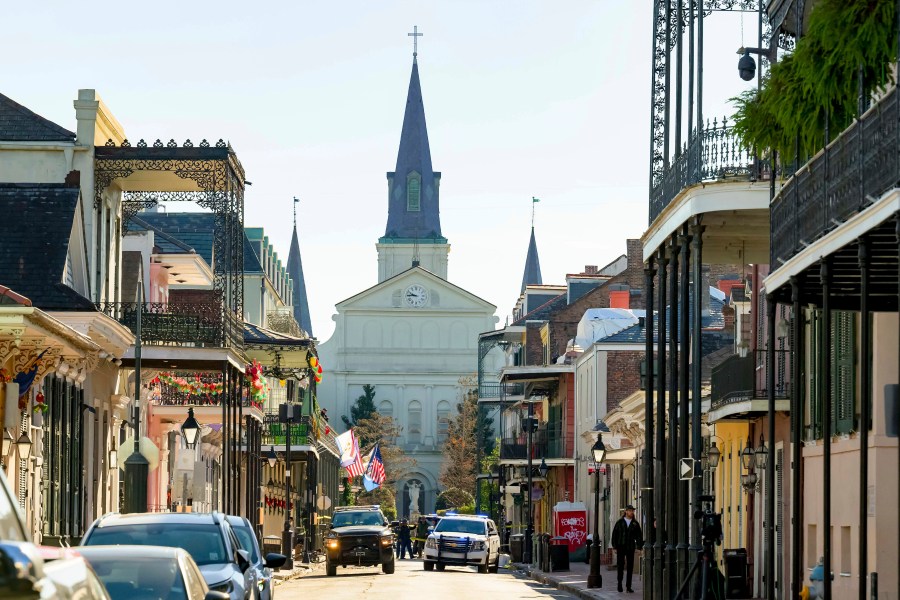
(414, 154)
(256, 335)
(252, 264)
(532, 273)
(35, 242)
(543, 312)
(179, 233)
(715, 320)
(18, 124)
(295, 272)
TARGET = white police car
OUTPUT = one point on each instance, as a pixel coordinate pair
(463, 540)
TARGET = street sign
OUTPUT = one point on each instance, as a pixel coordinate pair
(688, 469)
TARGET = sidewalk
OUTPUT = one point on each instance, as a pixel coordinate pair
(574, 581)
(300, 569)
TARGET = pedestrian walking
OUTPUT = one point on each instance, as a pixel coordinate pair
(404, 539)
(626, 538)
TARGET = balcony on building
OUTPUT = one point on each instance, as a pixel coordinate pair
(739, 388)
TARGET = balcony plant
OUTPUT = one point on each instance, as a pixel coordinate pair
(819, 77)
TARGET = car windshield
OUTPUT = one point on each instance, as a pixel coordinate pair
(132, 577)
(347, 518)
(203, 542)
(248, 541)
(470, 526)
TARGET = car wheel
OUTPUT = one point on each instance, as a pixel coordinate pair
(483, 568)
(330, 569)
(429, 566)
(496, 566)
(440, 566)
(388, 568)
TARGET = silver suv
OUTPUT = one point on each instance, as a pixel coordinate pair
(207, 537)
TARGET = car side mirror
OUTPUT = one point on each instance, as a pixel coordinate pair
(213, 595)
(275, 561)
(243, 560)
(19, 569)
(386, 523)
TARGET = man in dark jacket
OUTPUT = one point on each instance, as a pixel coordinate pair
(405, 539)
(626, 538)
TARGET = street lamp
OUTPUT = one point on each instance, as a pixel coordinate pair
(747, 456)
(543, 469)
(762, 454)
(7, 444)
(24, 446)
(713, 455)
(272, 457)
(190, 429)
(598, 452)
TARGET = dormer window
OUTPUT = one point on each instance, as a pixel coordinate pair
(413, 192)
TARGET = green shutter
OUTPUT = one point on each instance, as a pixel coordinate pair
(815, 356)
(843, 371)
(413, 194)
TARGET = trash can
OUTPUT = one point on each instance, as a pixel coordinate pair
(559, 554)
(736, 573)
(516, 547)
(271, 543)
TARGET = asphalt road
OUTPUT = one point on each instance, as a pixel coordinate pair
(411, 582)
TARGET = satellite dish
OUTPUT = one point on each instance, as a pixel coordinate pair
(147, 448)
(323, 503)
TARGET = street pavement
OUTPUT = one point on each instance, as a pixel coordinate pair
(411, 582)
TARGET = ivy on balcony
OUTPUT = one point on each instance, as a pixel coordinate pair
(819, 77)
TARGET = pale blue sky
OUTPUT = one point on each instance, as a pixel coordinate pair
(523, 98)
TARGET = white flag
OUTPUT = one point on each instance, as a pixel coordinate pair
(349, 452)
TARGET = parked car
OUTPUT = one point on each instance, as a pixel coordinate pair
(262, 569)
(72, 575)
(152, 572)
(207, 537)
(359, 535)
(463, 540)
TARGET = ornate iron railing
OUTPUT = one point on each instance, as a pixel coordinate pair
(740, 378)
(275, 432)
(713, 155)
(548, 441)
(860, 165)
(492, 391)
(183, 324)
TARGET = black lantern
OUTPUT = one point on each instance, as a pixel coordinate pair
(24, 445)
(713, 455)
(543, 469)
(762, 454)
(747, 456)
(598, 451)
(190, 429)
(272, 457)
(7, 444)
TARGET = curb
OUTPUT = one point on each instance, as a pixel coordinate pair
(569, 588)
(297, 572)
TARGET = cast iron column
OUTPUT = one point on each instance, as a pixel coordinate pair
(529, 530)
(825, 402)
(770, 459)
(684, 328)
(797, 372)
(675, 509)
(223, 492)
(662, 472)
(287, 536)
(648, 483)
(696, 358)
(137, 467)
(595, 579)
(865, 385)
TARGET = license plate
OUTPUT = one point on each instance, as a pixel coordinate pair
(360, 552)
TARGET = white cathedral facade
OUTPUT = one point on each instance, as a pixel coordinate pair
(414, 335)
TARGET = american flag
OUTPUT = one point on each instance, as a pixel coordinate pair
(356, 468)
(375, 470)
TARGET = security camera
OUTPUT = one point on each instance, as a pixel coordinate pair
(747, 66)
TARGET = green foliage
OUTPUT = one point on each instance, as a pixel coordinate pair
(819, 78)
(454, 498)
(384, 497)
(490, 488)
(347, 493)
(362, 409)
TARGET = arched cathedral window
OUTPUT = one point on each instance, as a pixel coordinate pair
(413, 192)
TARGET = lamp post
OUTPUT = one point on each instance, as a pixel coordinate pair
(190, 429)
(7, 446)
(595, 580)
(531, 424)
(137, 467)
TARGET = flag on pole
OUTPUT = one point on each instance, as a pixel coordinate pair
(533, 199)
(375, 474)
(356, 468)
(345, 445)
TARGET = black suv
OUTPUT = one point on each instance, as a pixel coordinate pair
(359, 535)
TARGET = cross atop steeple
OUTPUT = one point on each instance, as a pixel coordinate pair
(296, 202)
(415, 35)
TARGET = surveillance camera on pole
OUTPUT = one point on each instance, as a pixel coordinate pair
(747, 64)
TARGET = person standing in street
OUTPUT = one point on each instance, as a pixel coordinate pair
(405, 540)
(626, 538)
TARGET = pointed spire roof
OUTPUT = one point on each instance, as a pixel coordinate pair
(532, 274)
(414, 163)
(295, 272)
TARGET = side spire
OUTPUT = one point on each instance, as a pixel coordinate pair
(295, 272)
(532, 274)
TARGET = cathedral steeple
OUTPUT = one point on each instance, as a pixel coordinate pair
(295, 272)
(413, 187)
(532, 274)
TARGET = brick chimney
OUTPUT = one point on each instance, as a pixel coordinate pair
(591, 269)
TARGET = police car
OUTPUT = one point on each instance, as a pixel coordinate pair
(463, 540)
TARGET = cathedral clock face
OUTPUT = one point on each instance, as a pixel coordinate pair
(416, 296)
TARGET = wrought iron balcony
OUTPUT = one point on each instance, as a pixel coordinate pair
(548, 441)
(861, 163)
(499, 391)
(275, 433)
(740, 378)
(200, 325)
(714, 155)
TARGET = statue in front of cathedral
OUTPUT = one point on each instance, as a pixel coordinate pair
(414, 488)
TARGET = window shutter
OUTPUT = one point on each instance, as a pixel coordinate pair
(815, 358)
(779, 518)
(844, 371)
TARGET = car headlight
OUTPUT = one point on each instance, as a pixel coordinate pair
(478, 546)
(333, 543)
(387, 540)
(430, 543)
(225, 586)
